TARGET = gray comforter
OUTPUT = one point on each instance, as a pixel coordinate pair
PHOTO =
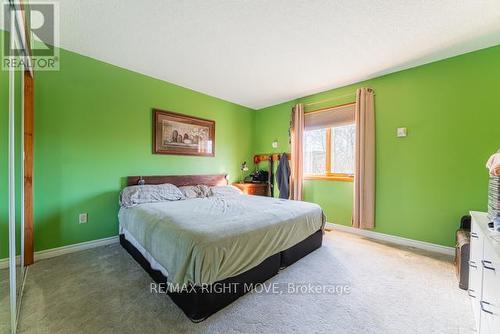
(205, 240)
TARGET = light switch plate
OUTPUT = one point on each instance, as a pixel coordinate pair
(402, 132)
(82, 218)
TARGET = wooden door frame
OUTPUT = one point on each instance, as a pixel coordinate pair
(28, 144)
(29, 123)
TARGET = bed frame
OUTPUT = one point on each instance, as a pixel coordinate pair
(198, 304)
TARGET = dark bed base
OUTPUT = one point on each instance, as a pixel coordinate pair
(198, 304)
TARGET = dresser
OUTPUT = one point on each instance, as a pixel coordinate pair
(484, 275)
(259, 189)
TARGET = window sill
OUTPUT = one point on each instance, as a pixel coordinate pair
(342, 178)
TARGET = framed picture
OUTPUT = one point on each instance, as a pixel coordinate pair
(182, 135)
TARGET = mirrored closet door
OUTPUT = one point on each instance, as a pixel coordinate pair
(12, 209)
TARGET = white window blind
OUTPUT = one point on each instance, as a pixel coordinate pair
(337, 116)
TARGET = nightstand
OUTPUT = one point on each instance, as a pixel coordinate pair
(259, 189)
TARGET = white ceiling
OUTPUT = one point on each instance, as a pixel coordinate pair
(262, 52)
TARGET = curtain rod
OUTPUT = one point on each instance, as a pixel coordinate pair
(330, 99)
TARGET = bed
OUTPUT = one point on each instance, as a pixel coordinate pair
(210, 251)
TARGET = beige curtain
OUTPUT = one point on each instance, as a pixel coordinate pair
(296, 143)
(364, 177)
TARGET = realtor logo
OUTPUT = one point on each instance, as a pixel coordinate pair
(35, 42)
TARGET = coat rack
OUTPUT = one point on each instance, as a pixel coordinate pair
(271, 157)
(268, 157)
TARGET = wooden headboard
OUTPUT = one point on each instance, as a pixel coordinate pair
(180, 180)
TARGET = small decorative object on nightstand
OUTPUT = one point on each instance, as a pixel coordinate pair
(243, 169)
(259, 189)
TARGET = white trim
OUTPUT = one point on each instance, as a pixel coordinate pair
(4, 263)
(394, 239)
(48, 253)
(53, 252)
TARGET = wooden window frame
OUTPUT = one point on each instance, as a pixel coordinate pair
(328, 175)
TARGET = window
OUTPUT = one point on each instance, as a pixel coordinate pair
(329, 142)
(343, 139)
(315, 152)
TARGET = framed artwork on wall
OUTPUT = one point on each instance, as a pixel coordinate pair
(180, 134)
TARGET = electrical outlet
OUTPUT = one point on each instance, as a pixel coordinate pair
(82, 218)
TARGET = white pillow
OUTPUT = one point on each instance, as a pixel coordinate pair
(149, 193)
(225, 191)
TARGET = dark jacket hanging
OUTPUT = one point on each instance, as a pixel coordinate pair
(283, 176)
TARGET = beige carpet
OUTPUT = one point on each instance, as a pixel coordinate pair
(4, 301)
(392, 290)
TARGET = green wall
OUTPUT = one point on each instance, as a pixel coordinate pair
(428, 180)
(93, 128)
(335, 197)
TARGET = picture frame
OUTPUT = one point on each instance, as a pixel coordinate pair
(180, 134)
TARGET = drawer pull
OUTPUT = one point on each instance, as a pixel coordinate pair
(486, 263)
(472, 264)
(482, 307)
(470, 294)
(474, 235)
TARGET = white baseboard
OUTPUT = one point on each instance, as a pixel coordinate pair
(394, 239)
(4, 263)
(48, 253)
